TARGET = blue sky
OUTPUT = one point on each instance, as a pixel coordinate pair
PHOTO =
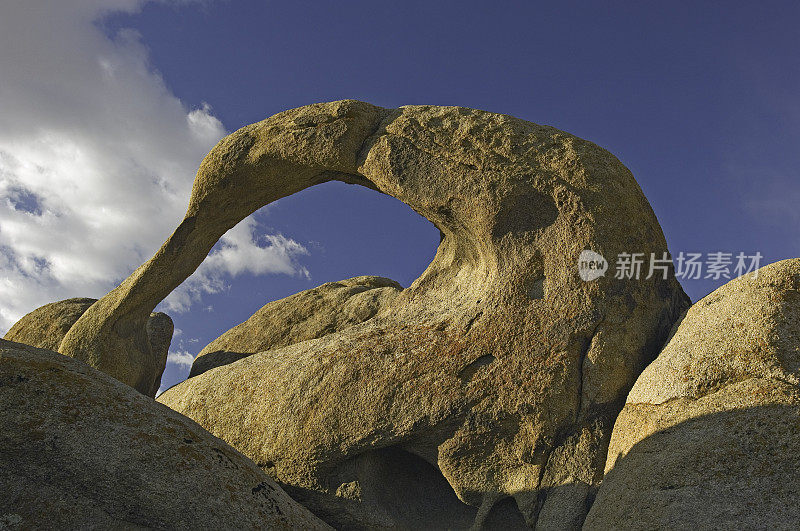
(698, 99)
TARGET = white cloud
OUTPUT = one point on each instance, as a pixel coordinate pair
(97, 159)
(239, 251)
(181, 358)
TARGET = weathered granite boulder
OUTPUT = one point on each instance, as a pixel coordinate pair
(80, 450)
(46, 326)
(710, 435)
(499, 366)
(306, 315)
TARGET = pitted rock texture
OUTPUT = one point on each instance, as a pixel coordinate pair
(46, 326)
(498, 366)
(710, 435)
(306, 315)
(80, 450)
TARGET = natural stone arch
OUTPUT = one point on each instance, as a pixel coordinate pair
(249, 169)
(498, 365)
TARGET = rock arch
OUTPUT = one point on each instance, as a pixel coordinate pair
(550, 358)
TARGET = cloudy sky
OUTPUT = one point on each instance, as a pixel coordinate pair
(108, 106)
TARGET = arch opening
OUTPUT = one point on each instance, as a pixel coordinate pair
(341, 232)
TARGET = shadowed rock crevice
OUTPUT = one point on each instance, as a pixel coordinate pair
(391, 488)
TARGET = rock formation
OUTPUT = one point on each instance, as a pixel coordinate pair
(45, 327)
(499, 366)
(483, 395)
(79, 450)
(710, 434)
(306, 315)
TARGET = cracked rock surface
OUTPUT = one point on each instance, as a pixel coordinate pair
(498, 368)
(710, 434)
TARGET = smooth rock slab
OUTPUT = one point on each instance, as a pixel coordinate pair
(47, 325)
(78, 449)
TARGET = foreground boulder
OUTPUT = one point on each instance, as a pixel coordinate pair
(46, 326)
(306, 315)
(499, 368)
(710, 435)
(79, 450)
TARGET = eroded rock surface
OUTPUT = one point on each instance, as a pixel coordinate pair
(306, 315)
(45, 327)
(80, 450)
(710, 435)
(499, 366)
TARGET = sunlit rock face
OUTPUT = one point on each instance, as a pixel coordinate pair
(309, 314)
(710, 434)
(499, 366)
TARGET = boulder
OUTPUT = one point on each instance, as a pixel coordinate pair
(46, 326)
(710, 434)
(306, 315)
(80, 450)
(499, 367)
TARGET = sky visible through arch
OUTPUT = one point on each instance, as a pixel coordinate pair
(109, 106)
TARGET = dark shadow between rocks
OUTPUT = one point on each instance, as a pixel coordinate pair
(393, 488)
(215, 359)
